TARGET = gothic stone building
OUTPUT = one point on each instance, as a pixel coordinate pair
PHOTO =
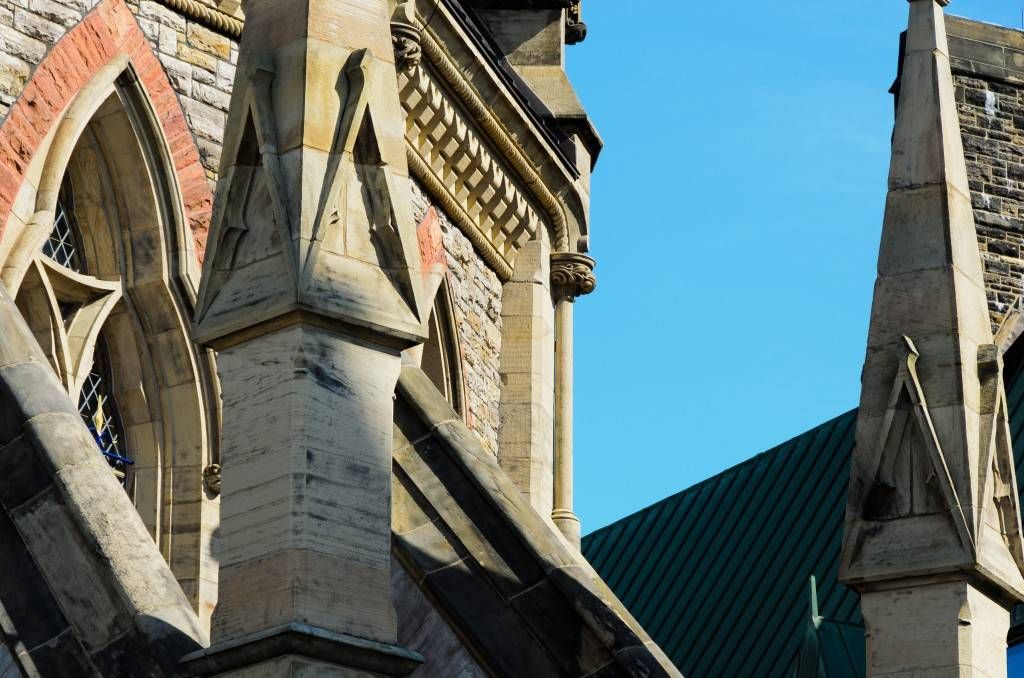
(286, 342)
(286, 316)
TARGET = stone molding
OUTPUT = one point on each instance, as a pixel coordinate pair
(465, 177)
(211, 17)
(497, 134)
(491, 196)
(572, 275)
(307, 641)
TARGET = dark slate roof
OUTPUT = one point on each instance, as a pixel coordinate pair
(718, 573)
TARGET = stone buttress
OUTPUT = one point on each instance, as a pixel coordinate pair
(311, 290)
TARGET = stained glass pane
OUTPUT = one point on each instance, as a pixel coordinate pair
(99, 412)
(63, 244)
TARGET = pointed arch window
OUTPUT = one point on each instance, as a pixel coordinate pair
(102, 266)
(441, 356)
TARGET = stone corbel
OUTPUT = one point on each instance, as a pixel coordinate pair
(575, 29)
(572, 275)
(406, 37)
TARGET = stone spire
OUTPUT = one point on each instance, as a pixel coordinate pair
(311, 289)
(932, 525)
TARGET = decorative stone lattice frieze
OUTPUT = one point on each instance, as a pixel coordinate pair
(449, 156)
(455, 146)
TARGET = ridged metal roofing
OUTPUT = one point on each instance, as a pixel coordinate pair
(718, 573)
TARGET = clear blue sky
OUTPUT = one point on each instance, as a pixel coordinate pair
(736, 213)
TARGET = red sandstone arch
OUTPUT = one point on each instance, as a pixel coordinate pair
(109, 30)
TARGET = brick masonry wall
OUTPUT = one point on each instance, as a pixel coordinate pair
(476, 302)
(992, 127)
(67, 66)
(199, 62)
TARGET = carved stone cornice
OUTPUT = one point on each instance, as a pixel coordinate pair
(458, 167)
(510, 150)
(572, 275)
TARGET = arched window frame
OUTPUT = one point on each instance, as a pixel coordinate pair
(166, 387)
(441, 355)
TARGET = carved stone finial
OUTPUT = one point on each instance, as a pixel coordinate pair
(405, 37)
(575, 29)
(572, 275)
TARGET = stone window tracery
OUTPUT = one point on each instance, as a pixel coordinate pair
(67, 309)
(99, 411)
(64, 244)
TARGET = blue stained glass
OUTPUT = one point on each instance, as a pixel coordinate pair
(1015, 662)
(99, 411)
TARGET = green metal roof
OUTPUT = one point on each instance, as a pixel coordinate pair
(718, 573)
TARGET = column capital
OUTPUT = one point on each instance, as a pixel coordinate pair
(572, 275)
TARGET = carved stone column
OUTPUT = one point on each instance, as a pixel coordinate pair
(572, 275)
(933, 529)
(311, 289)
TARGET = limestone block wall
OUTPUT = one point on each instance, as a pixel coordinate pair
(200, 64)
(28, 29)
(992, 126)
(988, 72)
(476, 302)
